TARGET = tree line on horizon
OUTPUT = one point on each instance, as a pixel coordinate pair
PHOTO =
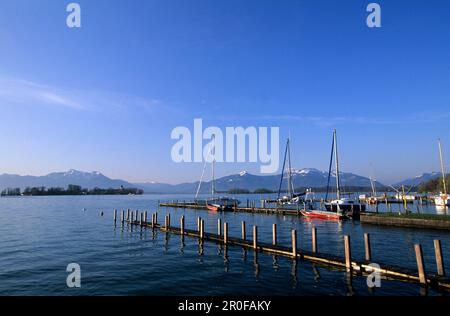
(71, 190)
(434, 185)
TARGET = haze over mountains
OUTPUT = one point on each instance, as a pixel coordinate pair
(306, 177)
(424, 177)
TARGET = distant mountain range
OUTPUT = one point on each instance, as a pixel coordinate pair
(302, 178)
(88, 180)
(425, 177)
(307, 177)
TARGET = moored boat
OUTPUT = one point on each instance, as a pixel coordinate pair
(221, 204)
(322, 214)
(341, 206)
(214, 203)
(442, 199)
(345, 205)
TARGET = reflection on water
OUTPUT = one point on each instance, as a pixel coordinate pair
(256, 263)
(349, 283)
(41, 235)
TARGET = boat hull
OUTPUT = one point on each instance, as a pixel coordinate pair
(345, 208)
(218, 207)
(211, 207)
(442, 200)
(322, 215)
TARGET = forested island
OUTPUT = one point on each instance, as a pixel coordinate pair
(71, 190)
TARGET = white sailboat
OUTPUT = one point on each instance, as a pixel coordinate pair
(215, 203)
(291, 197)
(442, 199)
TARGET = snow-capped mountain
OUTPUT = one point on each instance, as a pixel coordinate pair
(424, 177)
(306, 177)
(87, 180)
(302, 178)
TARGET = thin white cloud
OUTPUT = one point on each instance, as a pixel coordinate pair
(28, 93)
(22, 92)
(329, 121)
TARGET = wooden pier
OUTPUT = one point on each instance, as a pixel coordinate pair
(250, 208)
(347, 263)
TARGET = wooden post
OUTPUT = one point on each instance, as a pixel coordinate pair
(136, 215)
(128, 215)
(198, 223)
(131, 219)
(314, 239)
(115, 216)
(156, 218)
(153, 220)
(219, 227)
(243, 234)
(225, 232)
(255, 237)
(294, 243)
(420, 264)
(274, 234)
(168, 220)
(348, 254)
(145, 217)
(141, 219)
(202, 229)
(439, 261)
(122, 217)
(182, 225)
(367, 247)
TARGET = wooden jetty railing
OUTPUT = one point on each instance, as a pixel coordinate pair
(347, 263)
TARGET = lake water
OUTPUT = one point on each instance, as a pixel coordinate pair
(40, 236)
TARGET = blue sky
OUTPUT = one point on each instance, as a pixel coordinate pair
(107, 96)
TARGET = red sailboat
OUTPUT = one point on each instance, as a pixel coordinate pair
(336, 209)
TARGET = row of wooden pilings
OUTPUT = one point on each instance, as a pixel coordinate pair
(223, 237)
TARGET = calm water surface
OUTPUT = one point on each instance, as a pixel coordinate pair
(40, 236)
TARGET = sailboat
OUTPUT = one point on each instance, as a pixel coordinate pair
(372, 199)
(442, 199)
(341, 206)
(291, 197)
(215, 203)
(345, 205)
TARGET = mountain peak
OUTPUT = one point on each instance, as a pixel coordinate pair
(74, 172)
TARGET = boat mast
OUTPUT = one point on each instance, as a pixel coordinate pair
(282, 170)
(373, 186)
(442, 167)
(329, 169)
(338, 182)
(290, 184)
(212, 165)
